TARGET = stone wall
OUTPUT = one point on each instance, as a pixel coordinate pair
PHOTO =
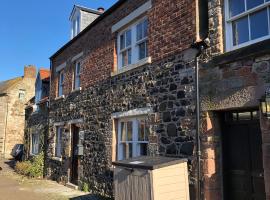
(167, 87)
(230, 84)
(36, 123)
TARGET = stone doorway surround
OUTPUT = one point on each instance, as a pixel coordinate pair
(212, 172)
(71, 124)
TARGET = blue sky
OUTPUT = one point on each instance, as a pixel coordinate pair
(32, 30)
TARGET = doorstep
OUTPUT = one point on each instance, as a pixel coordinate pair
(72, 186)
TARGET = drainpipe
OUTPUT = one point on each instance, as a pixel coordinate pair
(199, 46)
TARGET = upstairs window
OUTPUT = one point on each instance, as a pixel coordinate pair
(132, 137)
(60, 83)
(21, 94)
(77, 74)
(247, 22)
(133, 44)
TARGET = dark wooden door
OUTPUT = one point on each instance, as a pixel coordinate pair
(74, 160)
(242, 153)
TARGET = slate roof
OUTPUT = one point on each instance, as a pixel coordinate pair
(6, 85)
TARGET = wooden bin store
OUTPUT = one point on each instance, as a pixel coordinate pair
(151, 178)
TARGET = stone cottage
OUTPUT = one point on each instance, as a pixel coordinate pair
(124, 87)
(14, 94)
(36, 115)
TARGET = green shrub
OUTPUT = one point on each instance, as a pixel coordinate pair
(36, 170)
(85, 187)
(32, 168)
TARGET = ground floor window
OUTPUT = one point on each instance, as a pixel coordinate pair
(35, 144)
(132, 137)
(58, 142)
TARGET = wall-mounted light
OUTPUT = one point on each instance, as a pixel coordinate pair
(265, 104)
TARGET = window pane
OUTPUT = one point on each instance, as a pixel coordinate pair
(236, 7)
(253, 3)
(139, 31)
(141, 130)
(240, 31)
(244, 116)
(128, 38)
(259, 24)
(142, 50)
(78, 68)
(129, 131)
(143, 149)
(123, 131)
(129, 56)
(122, 41)
(129, 150)
(123, 150)
(145, 28)
(126, 58)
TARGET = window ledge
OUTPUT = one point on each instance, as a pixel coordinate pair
(76, 90)
(255, 49)
(60, 97)
(142, 62)
(57, 159)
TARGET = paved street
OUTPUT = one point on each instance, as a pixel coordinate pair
(16, 187)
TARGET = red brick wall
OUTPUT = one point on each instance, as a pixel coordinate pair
(171, 29)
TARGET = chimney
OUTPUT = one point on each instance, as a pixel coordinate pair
(101, 9)
(30, 71)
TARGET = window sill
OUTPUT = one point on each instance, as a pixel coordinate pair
(255, 49)
(142, 62)
(76, 90)
(60, 97)
(57, 159)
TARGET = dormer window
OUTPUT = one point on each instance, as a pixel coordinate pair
(81, 17)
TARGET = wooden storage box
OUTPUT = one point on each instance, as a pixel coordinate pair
(151, 178)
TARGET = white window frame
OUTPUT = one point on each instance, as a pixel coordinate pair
(75, 26)
(135, 137)
(229, 29)
(77, 76)
(134, 44)
(35, 147)
(58, 142)
(61, 83)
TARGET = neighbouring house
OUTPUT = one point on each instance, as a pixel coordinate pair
(125, 86)
(36, 115)
(14, 94)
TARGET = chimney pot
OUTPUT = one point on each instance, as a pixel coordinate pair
(101, 9)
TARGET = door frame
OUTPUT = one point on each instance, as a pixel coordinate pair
(223, 124)
(71, 154)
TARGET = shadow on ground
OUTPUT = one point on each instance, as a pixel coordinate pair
(11, 163)
(89, 197)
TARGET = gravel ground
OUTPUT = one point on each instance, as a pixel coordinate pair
(16, 187)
